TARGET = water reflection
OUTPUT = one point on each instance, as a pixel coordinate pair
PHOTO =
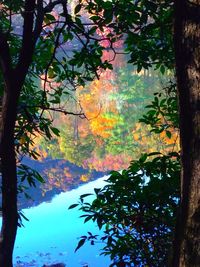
(51, 234)
(59, 175)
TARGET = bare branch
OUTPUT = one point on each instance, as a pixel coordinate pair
(60, 110)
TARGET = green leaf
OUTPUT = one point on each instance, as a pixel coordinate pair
(154, 154)
(168, 134)
(39, 177)
(96, 190)
(143, 157)
(80, 244)
(77, 9)
(162, 69)
(55, 131)
(88, 218)
(85, 195)
(50, 17)
(73, 206)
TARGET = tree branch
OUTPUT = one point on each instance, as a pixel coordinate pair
(39, 20)
(51, 5)
(60, 110)
(27, 48)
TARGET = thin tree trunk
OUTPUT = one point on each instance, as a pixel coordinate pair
(187, 55)
(9, 178)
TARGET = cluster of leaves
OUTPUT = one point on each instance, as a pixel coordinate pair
(137, 210)
(137, 207)
(146, 31)
(162, 113)
(27, 177)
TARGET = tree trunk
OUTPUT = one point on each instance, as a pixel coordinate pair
(9, 176)
(187, 56)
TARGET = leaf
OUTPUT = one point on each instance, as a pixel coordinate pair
(50, 17)
(23, 216)
(39, 177)
(55, 131)
(139, 67)
(162, 69)
(96, 190)
(85, 195)
(143, 157)
(80, 244)
(99, 222)
(154, 154)
(77, 9)
(51, 73)
(73, 206)
(168, 134)
(88, 218)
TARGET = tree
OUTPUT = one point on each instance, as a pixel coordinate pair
(187, 58)
(187, 52)
(34, 39)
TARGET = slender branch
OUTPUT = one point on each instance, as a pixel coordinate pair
(51, 60)
(60, 110)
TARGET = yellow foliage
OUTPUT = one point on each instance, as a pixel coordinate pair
(101, 126)
(136, 136)
(84, 178)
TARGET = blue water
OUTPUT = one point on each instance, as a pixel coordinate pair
(51, 234)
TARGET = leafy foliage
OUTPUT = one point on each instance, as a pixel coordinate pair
(145, 26)
(162, 114)
(137, 208)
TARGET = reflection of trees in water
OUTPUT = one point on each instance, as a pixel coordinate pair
(60, 176)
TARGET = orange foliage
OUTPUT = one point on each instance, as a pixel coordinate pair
(101, 126)
(169, 141)
(151, 142)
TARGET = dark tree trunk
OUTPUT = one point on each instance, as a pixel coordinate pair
(9, 176)
(13, 83)
(187, 56)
